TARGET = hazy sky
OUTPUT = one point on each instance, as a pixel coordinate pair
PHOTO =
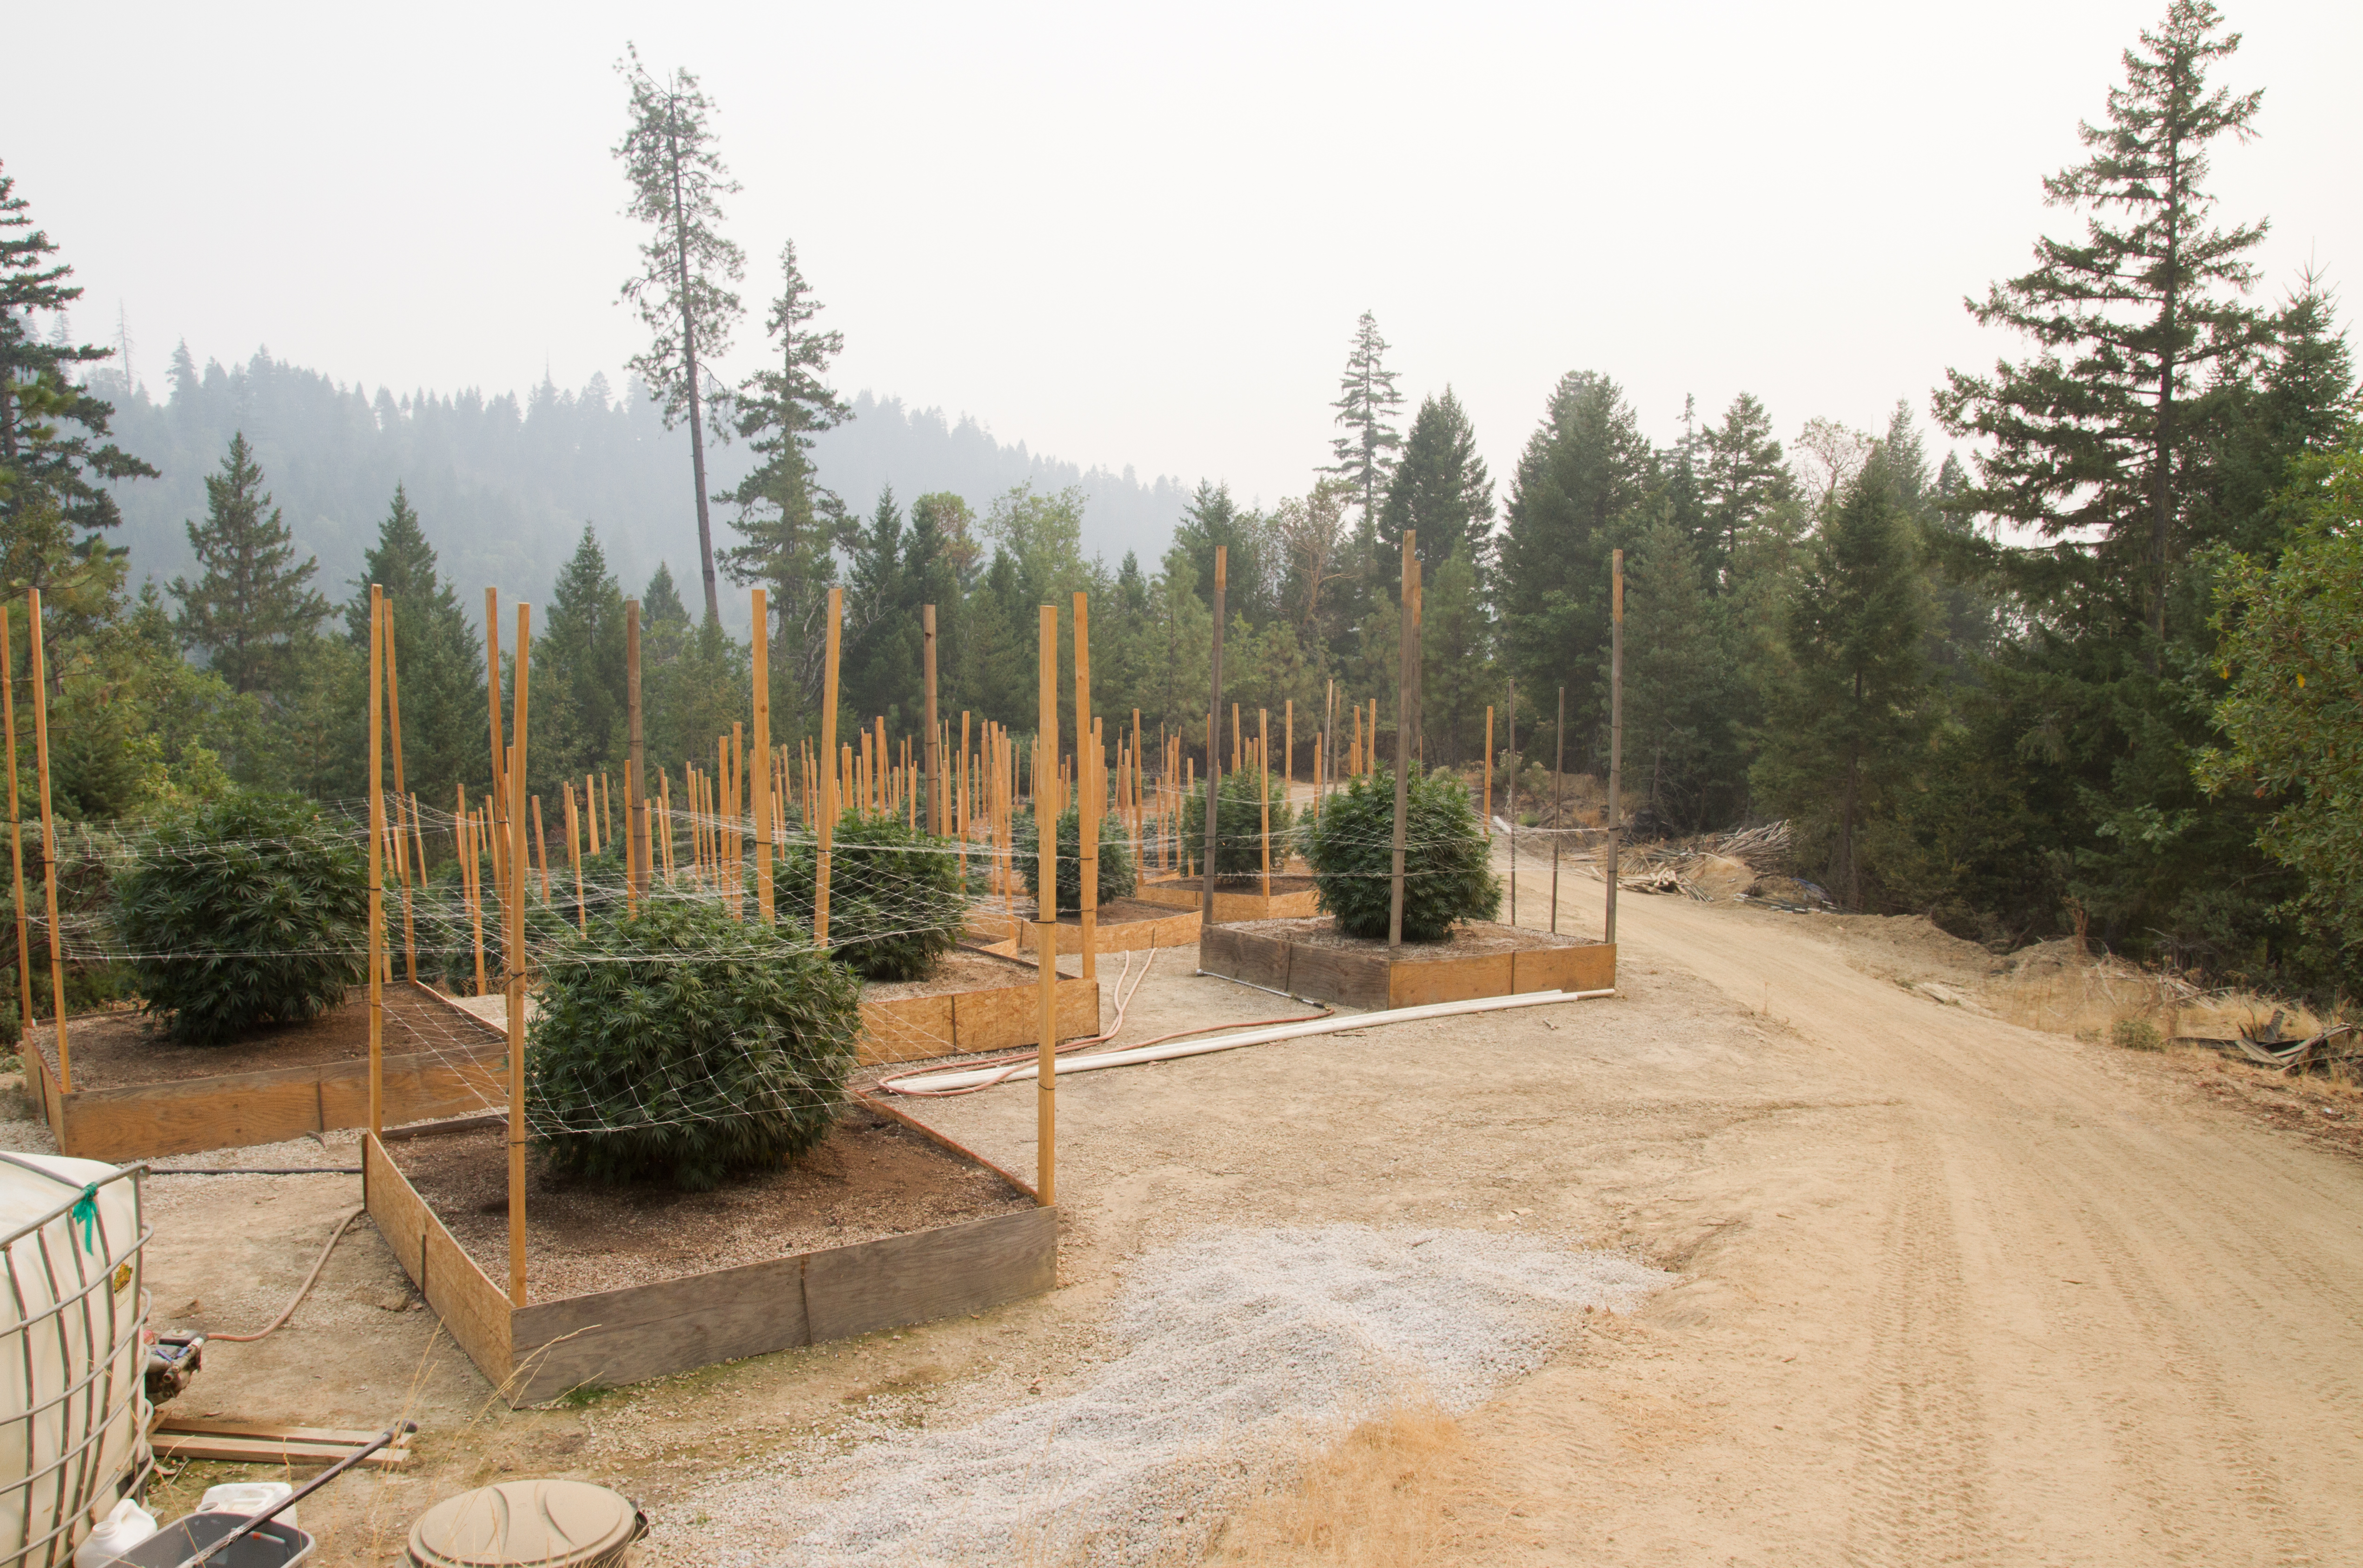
(1128, 235)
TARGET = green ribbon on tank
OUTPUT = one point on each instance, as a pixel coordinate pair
(84, 1213)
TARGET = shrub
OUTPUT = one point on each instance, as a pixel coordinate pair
(1447, 875)
(1119, 876)
(447, 932)
(247, 911)
(1239, 825)
(895, 903)
(2137, 1034)
(684, 1046)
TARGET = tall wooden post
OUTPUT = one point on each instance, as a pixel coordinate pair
(401, 794)
(377, 861)
(36, 662)
(1090, 775)
(1263, 791)
(542, 849)
(828, 771)
(1616, 726)
(1488, 781)
(1558, 774)
(1513, 797)
(1046, 910)
(15, 827)
(493, 685)
(1288, 754)
(935, 763)
(636, 765)
(1406, 700)
(1213, 768)
(514, 895)
(766, 817)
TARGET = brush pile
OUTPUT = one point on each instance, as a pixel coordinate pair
(1714, 867)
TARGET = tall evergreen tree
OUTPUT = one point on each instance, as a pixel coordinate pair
(438, 658)
(578, 658)
(1684, 694)
(682, 290)
(1440, 488)
(252, 606)
(1213, 519)
(54, 453)
(1367, 407)
(883, 637)
(2091, 442)
(1844, 724)
(1581, 478)
(1742, 475)
(793, 525)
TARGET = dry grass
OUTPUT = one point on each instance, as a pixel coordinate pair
(2054, 987)
(1396, 1491)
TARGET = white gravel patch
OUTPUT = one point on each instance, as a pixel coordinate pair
(1237, 1346)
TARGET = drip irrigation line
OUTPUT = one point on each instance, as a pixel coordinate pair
(301, 1291)
(255, 1170)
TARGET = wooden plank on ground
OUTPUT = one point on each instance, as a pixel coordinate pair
(195, 1426)
(629, 1336)
(1337, 975)
(1418, 982)
(930, 1274)
(270, 1451)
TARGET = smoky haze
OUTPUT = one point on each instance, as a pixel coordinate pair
(1134, 239)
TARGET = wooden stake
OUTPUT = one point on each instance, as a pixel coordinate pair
(828, 778)
(636, 765)
(1090, 775)
(16, 829)
(542, 849)
(463, 836)
(574, 860)
(764, 823)
(1404, 696)
(1263, 792)
(1046, 909)
(1513, 797)
(1214, 772)
(401, 793)
(1615, 728)
(492, 688)
(514, 893)
(1488, 777)
(38, 666)
(377, 861)
(1558, 771)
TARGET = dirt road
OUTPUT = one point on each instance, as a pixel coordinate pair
(1994, 1297)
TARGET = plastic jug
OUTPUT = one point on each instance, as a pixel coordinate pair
(248, 1498)
(118, 1533)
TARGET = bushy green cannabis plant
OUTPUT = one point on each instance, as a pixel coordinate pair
(1448, 876)
(895, 903)
(247, 911)
(1119, 876)
(684, 1046)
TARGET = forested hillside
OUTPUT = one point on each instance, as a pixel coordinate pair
(2070, 646)
(503, 484)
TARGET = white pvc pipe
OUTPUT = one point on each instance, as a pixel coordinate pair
(971, 1078)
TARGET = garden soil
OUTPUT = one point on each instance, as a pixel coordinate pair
(1947, 1289)
(122, 1047)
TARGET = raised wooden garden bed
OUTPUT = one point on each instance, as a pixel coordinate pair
(137, 1096)
(1124, 925)
(644, 1283)
(975, 1002)
(1307, 957)
(1291, 895)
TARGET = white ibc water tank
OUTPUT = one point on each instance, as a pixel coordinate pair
(73, 1407)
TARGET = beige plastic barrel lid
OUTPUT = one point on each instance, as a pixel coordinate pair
(544, 1524)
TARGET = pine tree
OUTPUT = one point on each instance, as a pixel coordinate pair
(1683, 697)
(1844, 724)
(1742, 476)
(882, 639)
(578, 679)
(252, 606)
(51, 481)
(1214, 521)
(661, 601)
(1440, 488)
(1458, 677)
(1579, 480)
(1366, 405)
(2091, 442)
(793, 524)
(678, 180)
(438, 658)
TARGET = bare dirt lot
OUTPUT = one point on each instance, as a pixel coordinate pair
(1950, 1289)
